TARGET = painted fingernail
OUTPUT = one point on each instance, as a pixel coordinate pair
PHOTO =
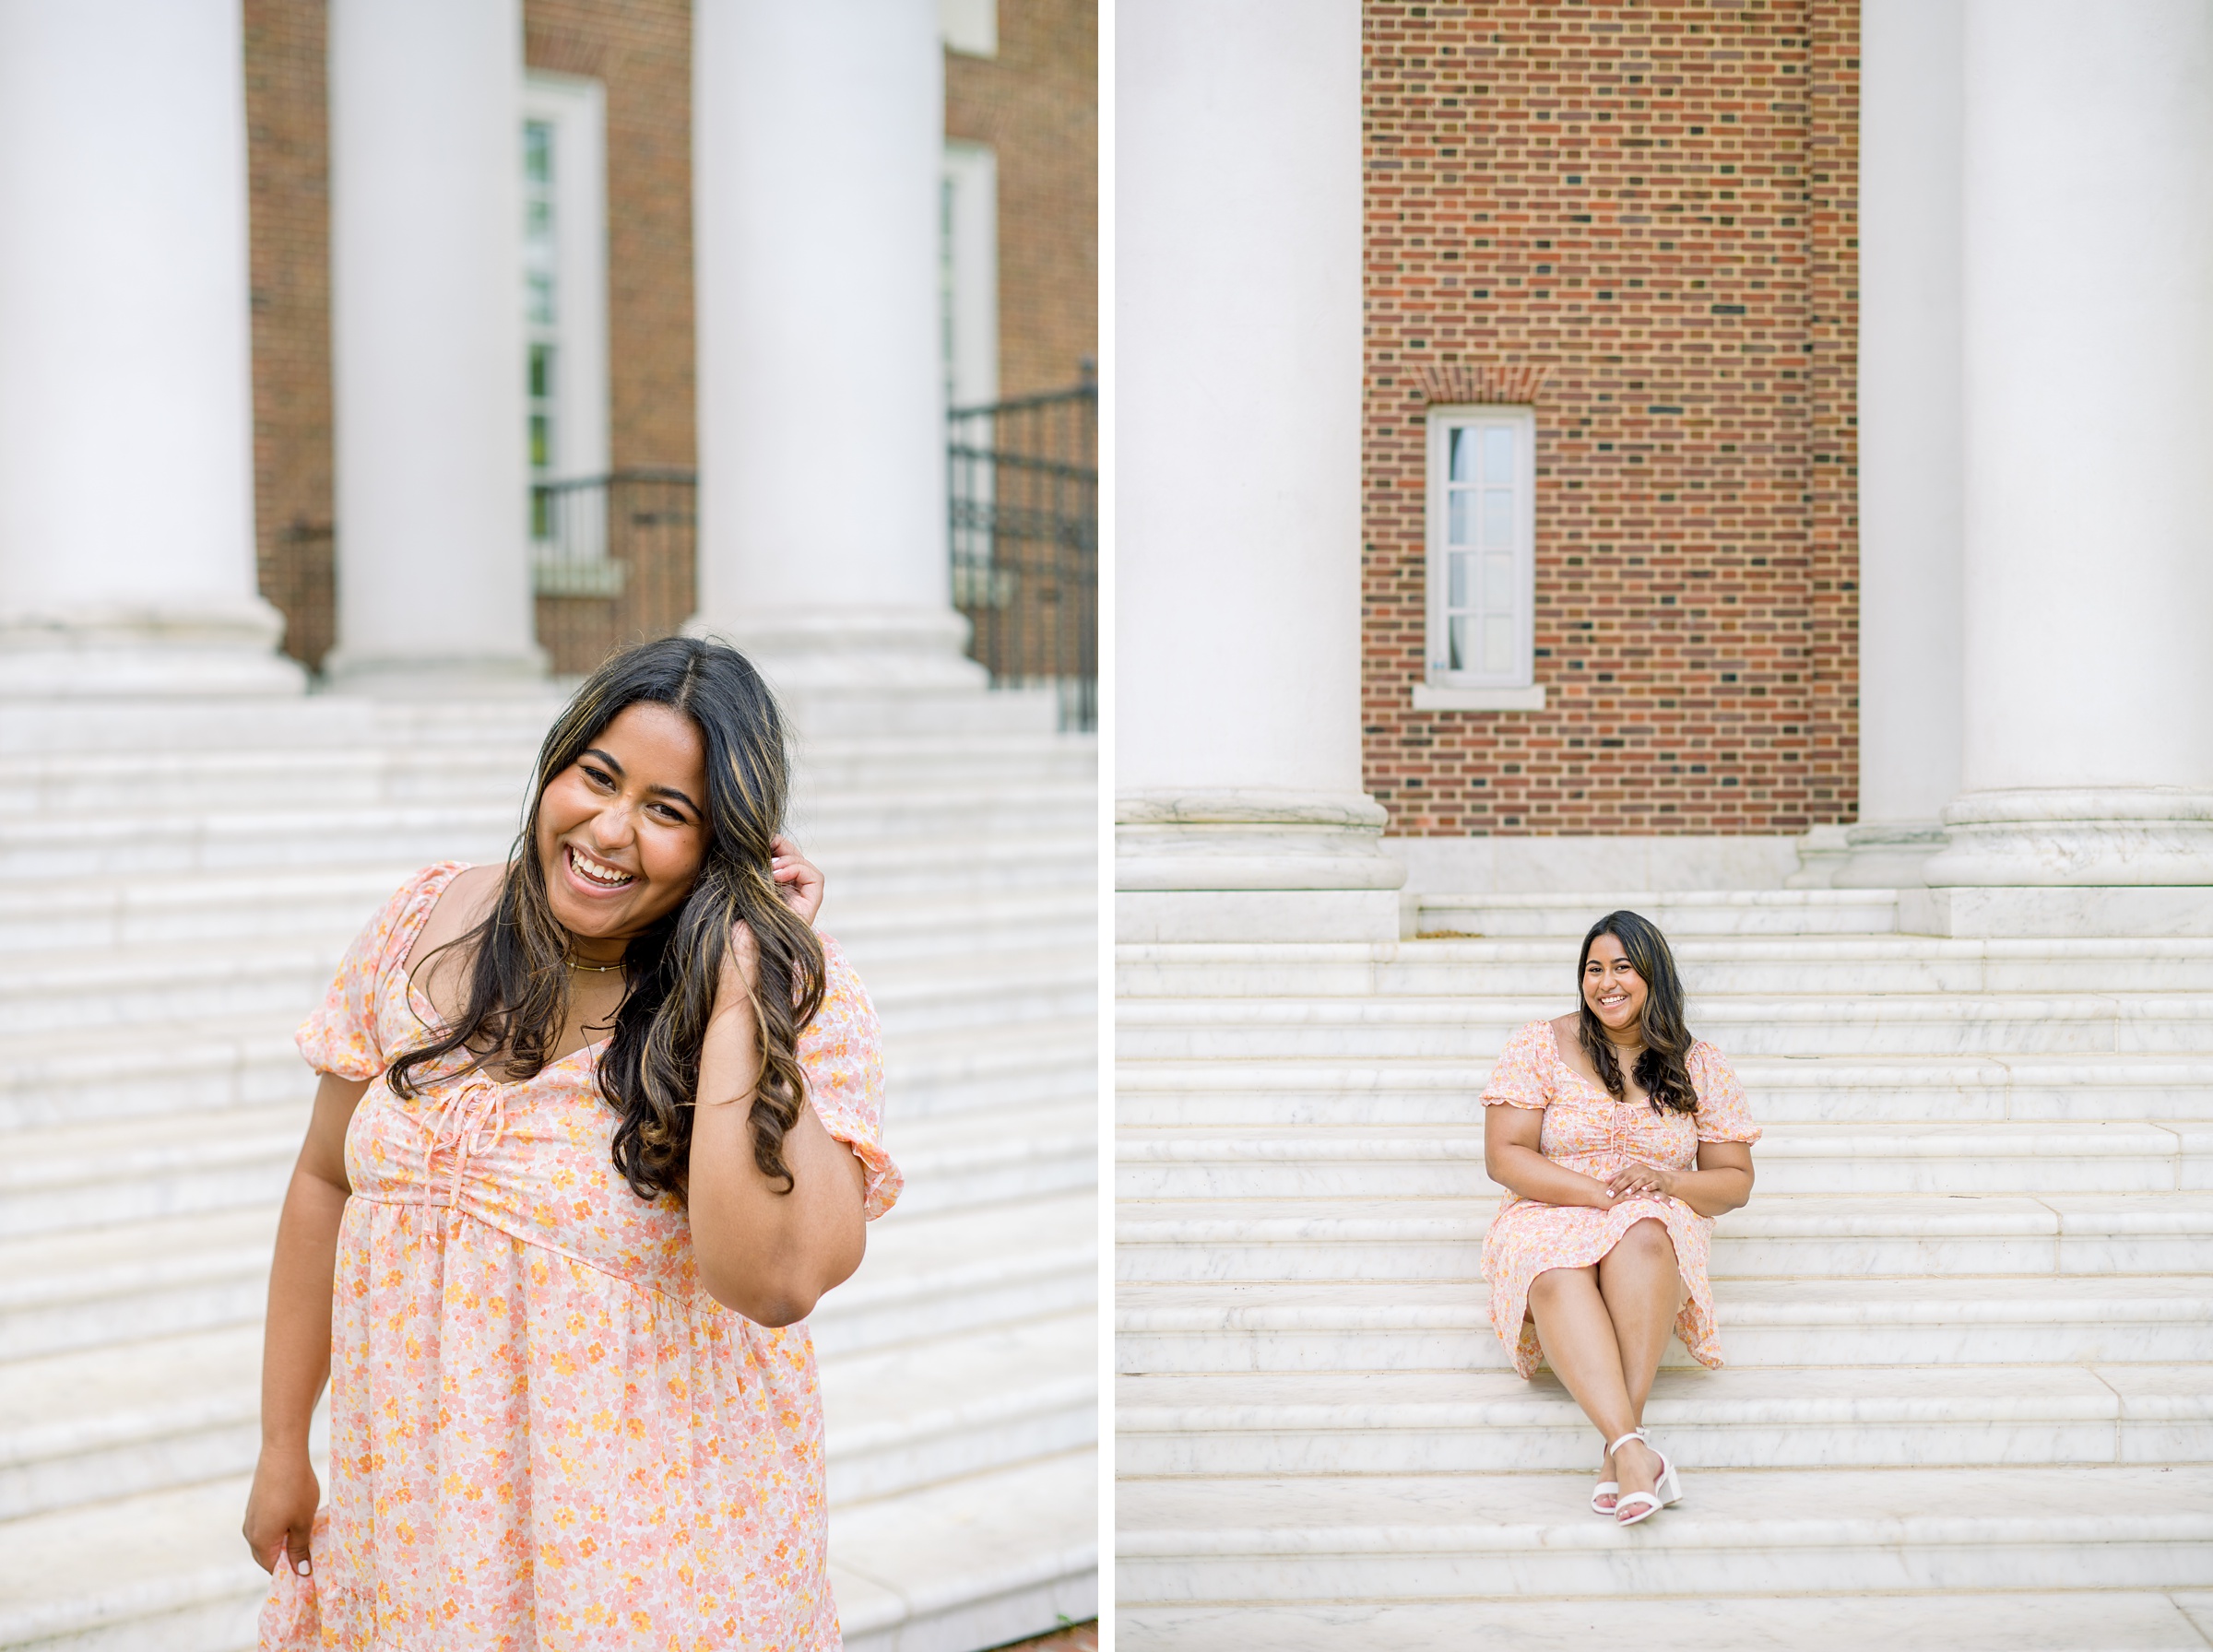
(302, 1569)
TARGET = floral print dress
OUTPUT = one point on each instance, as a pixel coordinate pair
(1587, 1130)
(544, 1435)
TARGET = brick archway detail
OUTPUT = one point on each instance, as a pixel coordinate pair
(1514, 384)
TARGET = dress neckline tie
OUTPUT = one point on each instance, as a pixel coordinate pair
(466, 1123)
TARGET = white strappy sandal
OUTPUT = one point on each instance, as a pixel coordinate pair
(1666, 1490)
(1609, 1489)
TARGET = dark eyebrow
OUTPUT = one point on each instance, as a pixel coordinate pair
(658, 790)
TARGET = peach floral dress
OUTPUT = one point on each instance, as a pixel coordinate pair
(543, 1435)
(1588, 1130)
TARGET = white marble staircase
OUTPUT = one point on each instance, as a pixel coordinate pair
(176, 883)
(1969, 1313)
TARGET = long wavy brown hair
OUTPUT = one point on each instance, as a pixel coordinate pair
(518, 957)
(1663, 1066)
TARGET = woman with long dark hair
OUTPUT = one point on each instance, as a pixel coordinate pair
(595, 1131)
(1619, 1139)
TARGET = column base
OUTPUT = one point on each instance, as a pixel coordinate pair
(218, 652)
(435, 676)
(2028, 913)
(1253, 865)
(2084, 838)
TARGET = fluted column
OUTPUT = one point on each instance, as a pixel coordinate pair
(427, 345)
(2087, 799)
(818, 133)
(1236, 418)
(1908, 437)
(126, 487)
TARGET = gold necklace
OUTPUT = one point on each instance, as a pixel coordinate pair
(597, 969)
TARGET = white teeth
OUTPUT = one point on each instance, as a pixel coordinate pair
(594, 871)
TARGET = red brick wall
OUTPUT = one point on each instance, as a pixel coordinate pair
(1651, 206)
(288, 263)
(641, 52)
(1037, 105)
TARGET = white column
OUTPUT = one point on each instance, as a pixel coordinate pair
(1909, 436)
(1236, 427)
(126, 484)
(2088, 760)
(818, 136)
(426, 345)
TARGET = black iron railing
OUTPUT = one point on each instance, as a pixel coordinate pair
(612, 561)
(1025, 495)
(613, 557)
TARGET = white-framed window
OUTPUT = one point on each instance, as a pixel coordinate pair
(1482, 517)
(968, 274)
(969, 27)
(564, 320)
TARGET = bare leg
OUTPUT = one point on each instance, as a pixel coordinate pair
(1580, 1341)
(1643, 1292)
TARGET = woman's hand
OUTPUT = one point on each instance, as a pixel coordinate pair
(1636, 1177)
(799, 880)
(280, 1510)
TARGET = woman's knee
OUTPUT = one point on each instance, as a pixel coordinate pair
(1647, 1240)
(1554, 1282)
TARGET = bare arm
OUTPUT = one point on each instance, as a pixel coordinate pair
(1510, 1154)
(1721, 1183)
(295, 1351)
(766, 1254)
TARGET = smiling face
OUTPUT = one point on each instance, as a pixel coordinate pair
(621, 831)
(1613, 990)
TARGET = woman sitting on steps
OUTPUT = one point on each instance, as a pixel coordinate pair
(1620, 1139)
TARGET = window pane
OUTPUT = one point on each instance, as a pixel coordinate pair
(1459, 631)
(541, 371)
(540, 287)
(1462, 468)
(1499, 643)
(1498, 584)
(1498, 519)
(1462, 582)
(537, 151)
(542, 442)
(1497, 455)
(1460, 516)
(538, 220)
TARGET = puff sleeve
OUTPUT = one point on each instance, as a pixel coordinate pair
(1723, 1115)
(842, 1053)
(1522, 1075)
(342, 1036)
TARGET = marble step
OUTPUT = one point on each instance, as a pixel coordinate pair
(328, 905)
(1710, 968)
(62, 992)
(927, 1274)
(107, 1422)
(1896, 1157)
(1805, 1237)
(496, 770)
(72, 1177)
(1401, 1091)
(219, 1065)
(2102, 1620)
(1444, 1325)
(1678, 914)
(1276, 1424)
(995, 1556)
(1901, 1024)
(1736, 1533)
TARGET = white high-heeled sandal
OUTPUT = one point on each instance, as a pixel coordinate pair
(1605, 1488)
(1666, 1490)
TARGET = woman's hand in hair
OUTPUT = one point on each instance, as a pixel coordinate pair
(799, 880)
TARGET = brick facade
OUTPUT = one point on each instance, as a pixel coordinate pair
(288, 143)
(1643, 219)
(1037, 103)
